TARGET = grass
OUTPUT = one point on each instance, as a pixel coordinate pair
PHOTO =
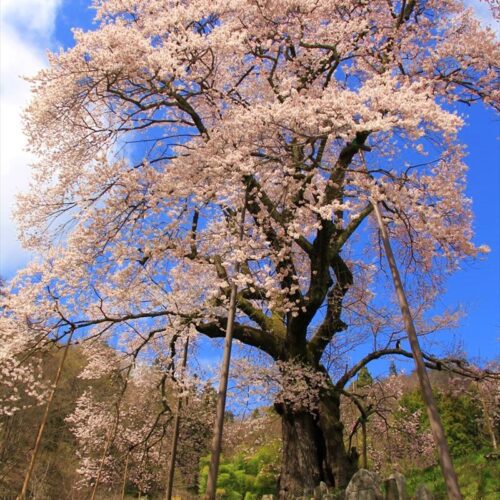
(479, 478)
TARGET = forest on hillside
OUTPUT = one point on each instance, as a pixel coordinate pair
(386, 429)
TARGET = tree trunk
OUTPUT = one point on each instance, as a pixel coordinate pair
(365, 447)
(313, 449)
(340, 467)
(301, 468)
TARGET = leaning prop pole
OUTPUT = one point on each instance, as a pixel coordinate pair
(45, 417)
(450, 477)
(224, 377)
(175, 438)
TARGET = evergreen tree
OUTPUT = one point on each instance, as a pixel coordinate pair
(364, 377)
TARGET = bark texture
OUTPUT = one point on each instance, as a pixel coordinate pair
(313, 448)
(302, 459)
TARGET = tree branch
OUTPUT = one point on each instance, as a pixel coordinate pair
(332, 323)
(268, 342)
(451, 365)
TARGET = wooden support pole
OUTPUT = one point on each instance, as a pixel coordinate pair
(175, 438)
(437, 429)
(43, 423)
(224, 377)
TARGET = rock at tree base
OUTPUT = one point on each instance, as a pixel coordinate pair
(391, 489)
(395, 487)
(321, 491)
(423, 493)
(364, 485)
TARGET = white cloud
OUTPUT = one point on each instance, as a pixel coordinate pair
(483, 12)
(33, 17)
(27, 27)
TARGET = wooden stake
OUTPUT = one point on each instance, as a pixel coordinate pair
(175, 439)
(224, 377)
(450, 477)
(41, 429)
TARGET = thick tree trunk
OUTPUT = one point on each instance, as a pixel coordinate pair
(301, 469)
(313, 449)
(339, 465)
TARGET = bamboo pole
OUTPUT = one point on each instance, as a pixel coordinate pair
(224, 377)
(450, 477)
(175, 439)
(43, 423)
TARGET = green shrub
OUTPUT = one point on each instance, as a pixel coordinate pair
(479, 478)
(245, 477)
(461, 417)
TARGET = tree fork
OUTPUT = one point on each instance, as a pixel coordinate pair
(224, 377)
(450, 477)
(175, 439)
(41, 429)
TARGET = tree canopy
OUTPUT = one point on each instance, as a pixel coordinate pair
(159, 126)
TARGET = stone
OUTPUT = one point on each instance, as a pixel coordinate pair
(423, 493)
(364, 485)
(321, 491)
(400, 481)
(391, 489)
(268, 497)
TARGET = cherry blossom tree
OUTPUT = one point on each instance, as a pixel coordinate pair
(376, 409)
(121, 423)
(155, 130)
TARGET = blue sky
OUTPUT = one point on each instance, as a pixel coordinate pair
(31, 26)
(477, 285)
